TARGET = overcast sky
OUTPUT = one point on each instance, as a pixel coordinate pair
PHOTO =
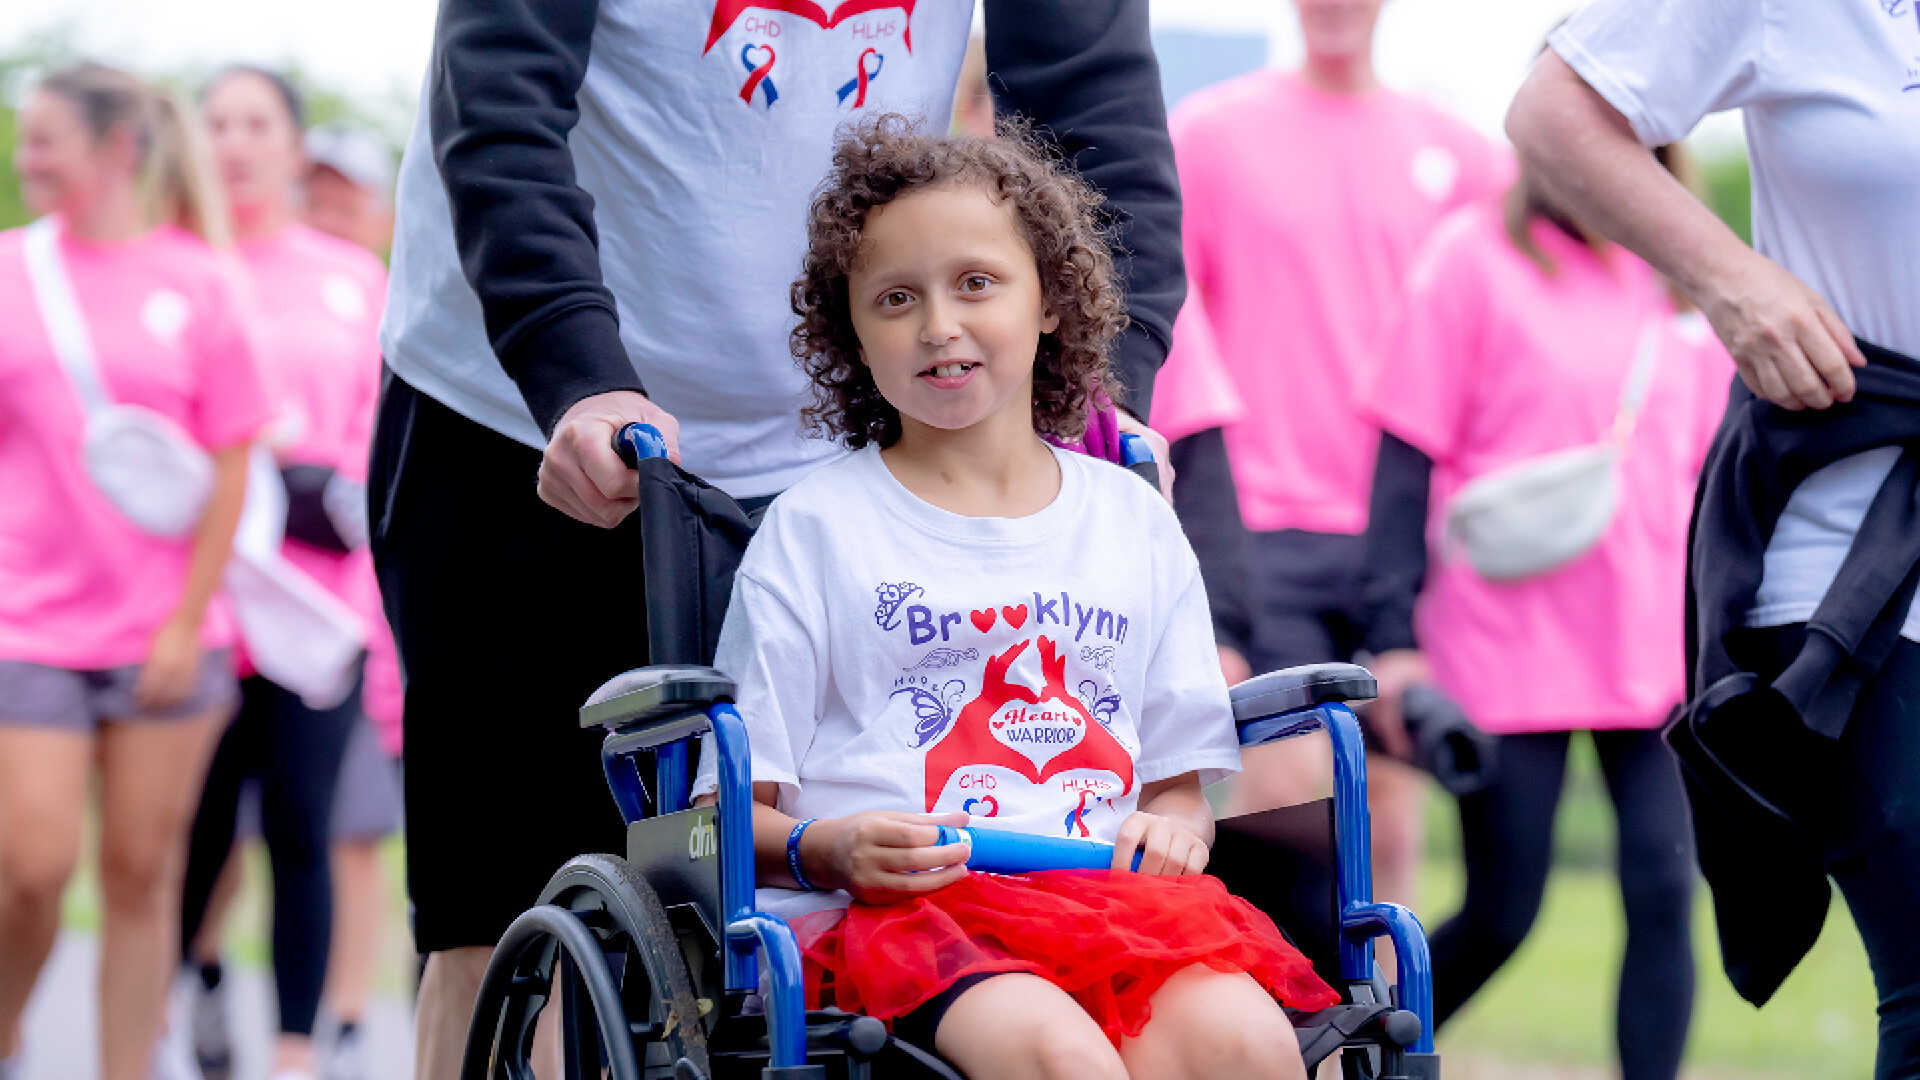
(1468, 53)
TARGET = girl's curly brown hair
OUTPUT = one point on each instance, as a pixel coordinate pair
(883, 158)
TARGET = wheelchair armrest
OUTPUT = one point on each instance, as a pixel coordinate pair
(1296, 688)
(649, 695)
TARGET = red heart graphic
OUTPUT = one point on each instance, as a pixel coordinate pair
(1016, 615)
(998, 724)
(983, 620)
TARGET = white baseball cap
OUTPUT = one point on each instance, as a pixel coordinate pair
(354, 154)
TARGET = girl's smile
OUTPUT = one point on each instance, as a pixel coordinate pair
(950, 375)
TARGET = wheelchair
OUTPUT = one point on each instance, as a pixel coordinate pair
(663, 968)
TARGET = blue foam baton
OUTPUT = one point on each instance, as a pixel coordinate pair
(999, 851)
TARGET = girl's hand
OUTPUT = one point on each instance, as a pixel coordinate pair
(880, 854)
(167, 678)
(1168, 847)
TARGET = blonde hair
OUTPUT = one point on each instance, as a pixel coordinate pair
(175, 172)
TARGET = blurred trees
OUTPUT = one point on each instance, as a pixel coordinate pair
(54, 47)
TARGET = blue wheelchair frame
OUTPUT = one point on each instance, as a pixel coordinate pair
(668, 706)
(754, 937)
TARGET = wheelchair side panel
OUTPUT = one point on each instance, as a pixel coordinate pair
(679, 854)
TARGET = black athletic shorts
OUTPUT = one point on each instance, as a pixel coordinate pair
(507, 614)
(1305, 605)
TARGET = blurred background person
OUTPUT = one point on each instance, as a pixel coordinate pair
(317, 303)
(114, 651)
(1806, 639)
(1306, 193)
(1521, 335)
(349, 194)
(348, 189)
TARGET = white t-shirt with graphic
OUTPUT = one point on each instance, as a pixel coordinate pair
(1830, 94)
(704, 126)
(1033, 672)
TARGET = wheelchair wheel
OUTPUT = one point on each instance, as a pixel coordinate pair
(642, 952)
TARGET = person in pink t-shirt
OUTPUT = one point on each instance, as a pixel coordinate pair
(1519, 336)
(113, 647)
(1306, 193)
(317, 303)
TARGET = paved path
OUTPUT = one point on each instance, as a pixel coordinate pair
(62, 1021)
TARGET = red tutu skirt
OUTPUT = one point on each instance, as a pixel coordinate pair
(1109, 940)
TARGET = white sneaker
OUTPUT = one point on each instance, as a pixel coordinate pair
(207, 1017)
(345, 1058)
(172, 1058)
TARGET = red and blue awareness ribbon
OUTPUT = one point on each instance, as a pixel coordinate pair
(859, 82)
(758, 76)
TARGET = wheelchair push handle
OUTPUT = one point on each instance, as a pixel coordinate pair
(1000, 851)
(1137, 457)
(637, 441)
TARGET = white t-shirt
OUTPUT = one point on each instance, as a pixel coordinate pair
(699, 200)
(1033, 672)
(1830, 93)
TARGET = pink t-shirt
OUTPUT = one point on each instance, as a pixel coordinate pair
(1194, 391)
(1493, 361)
(80, 586)
(317, 302)
(1303, 209)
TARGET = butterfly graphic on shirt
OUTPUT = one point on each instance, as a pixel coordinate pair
(1031, 733)
(728, 12)
(932, 709)
(1103, 701)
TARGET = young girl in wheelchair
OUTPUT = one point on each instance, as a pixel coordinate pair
(961, 622)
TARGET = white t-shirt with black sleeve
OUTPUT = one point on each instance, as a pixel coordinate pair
(1033, 672)
(1830, 96)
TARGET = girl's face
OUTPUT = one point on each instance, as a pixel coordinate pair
(62, 167)
(256, 147)
(946, 301)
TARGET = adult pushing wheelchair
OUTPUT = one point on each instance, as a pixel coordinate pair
(663, 968)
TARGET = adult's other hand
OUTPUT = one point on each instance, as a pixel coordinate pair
(1394, 671)
(1789, 345)
(581, 475)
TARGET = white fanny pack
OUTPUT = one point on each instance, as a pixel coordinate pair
(146, 464)
(298, 634)
(1538, 514)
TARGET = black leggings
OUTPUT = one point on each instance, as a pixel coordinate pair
(1871, 831)
(296, 752)
(1507, 837)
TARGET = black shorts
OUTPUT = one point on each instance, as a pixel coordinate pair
(1305, 606)
(917, 1028)
(507, 615)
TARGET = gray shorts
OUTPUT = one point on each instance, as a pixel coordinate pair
(36, 695)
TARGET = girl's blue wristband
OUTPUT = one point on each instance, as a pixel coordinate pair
(793, 854)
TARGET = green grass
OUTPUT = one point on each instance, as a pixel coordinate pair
(1553, 1003)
